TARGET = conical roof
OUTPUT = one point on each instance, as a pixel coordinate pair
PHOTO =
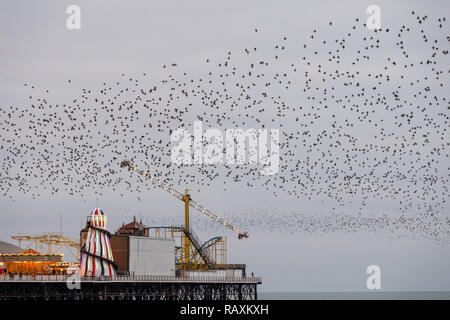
(97, 212)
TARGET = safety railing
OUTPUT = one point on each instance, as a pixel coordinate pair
(143, 278)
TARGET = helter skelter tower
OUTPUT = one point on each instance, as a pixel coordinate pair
(96, 254)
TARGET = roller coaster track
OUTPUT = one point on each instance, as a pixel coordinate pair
(200, 248)
(196, 243)
(210, 243)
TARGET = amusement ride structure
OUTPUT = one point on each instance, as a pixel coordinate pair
(96, 254)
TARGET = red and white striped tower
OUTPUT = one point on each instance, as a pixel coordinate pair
(96, 254)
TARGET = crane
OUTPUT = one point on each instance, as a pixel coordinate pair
(50, 239)
(188, 202)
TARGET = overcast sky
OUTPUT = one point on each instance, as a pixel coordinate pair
(141, 36)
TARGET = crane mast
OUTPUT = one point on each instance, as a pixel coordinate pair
(186, 199)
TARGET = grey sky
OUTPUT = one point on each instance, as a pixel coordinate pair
(141, 36)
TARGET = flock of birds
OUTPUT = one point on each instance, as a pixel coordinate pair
(305, 224)
(363, 117)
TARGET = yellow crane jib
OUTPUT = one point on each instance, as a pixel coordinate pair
(185, 198)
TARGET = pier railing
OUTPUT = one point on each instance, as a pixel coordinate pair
(146, 278)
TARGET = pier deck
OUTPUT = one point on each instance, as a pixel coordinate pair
(55, 287)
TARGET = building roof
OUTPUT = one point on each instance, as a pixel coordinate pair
(6, 247)
(133, 228)
(30, 255)
(133, 225)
